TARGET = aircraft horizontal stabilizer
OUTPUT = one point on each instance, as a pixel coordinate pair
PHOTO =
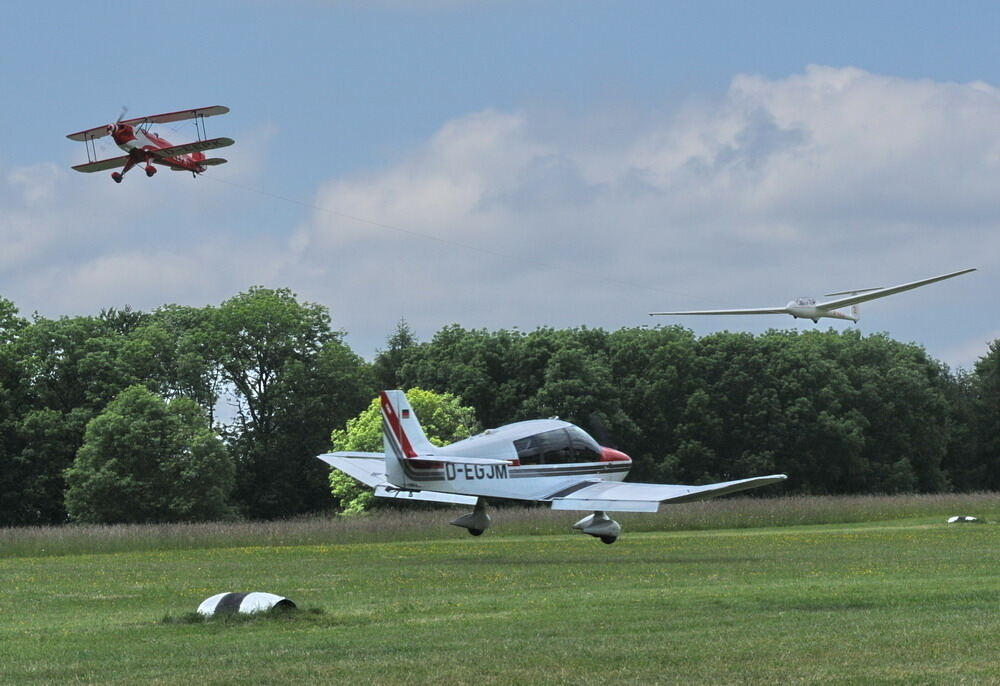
(368, 468)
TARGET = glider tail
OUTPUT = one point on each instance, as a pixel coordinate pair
(402, 435)
(856, 312)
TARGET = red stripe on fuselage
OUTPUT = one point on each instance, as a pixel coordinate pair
(396, 426)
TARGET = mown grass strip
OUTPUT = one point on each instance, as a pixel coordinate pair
(423, 524)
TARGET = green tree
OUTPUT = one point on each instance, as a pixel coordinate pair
(13, 405)
(293, 380)
(442, 417)
(71, 368)
(388, 364)
(987, 414)
(146, 460)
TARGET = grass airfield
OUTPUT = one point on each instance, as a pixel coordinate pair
(901, 598)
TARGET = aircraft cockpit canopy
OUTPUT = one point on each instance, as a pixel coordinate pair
(559, 446)
(805, 301)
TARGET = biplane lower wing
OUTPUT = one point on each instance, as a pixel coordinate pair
(102, 165)
(188, 148)
(624, 496)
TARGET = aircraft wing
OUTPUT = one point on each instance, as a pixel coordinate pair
(96, 132)
(102, 165)
(760, 310)
(195, 146)
(620, 496)
(101, 131)
(431, 496)
(858, 298)
(179, 116)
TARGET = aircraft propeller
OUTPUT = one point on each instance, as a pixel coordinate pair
(121, 115)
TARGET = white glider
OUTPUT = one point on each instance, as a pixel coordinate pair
(808, 308)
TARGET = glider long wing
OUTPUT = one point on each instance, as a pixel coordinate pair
(759, 310)
(883, 292)
(618, 496)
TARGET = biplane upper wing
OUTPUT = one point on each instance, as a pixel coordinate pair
(96, 132)
(102, 165)
(623, 496)
(179, 116)
(196, 146)
(100, 131)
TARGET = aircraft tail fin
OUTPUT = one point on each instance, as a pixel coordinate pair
(402, 436)
(856, 312)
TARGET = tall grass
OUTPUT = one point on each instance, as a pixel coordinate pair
(413, 525)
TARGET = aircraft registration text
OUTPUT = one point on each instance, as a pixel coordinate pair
(471, 472)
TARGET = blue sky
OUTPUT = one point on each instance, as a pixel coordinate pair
(705, 154)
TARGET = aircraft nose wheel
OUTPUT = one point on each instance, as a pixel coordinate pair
(476, 532)
(608, 539)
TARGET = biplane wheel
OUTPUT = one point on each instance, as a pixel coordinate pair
(476, 532)
(116, 176)
(150, 170)
(608, 539)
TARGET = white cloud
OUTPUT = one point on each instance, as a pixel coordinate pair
(828, 179)
(825, 180)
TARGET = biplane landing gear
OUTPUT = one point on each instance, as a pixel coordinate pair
(600, 525)
(116, 176)
(150, 170)
(477, 521)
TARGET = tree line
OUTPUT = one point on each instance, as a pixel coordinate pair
(188, 413)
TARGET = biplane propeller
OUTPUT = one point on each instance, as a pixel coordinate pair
(145, 147)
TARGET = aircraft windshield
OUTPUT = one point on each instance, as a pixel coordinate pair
(559, 446)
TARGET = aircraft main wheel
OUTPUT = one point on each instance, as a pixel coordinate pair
(150, 171)
(476, 532)
(116, 176)
(608, 539)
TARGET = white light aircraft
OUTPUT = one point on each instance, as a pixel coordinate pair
(542, 460)
(808, 308)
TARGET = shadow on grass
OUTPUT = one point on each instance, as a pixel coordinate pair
(275, 614)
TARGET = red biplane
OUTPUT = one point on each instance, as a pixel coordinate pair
(145, 147)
